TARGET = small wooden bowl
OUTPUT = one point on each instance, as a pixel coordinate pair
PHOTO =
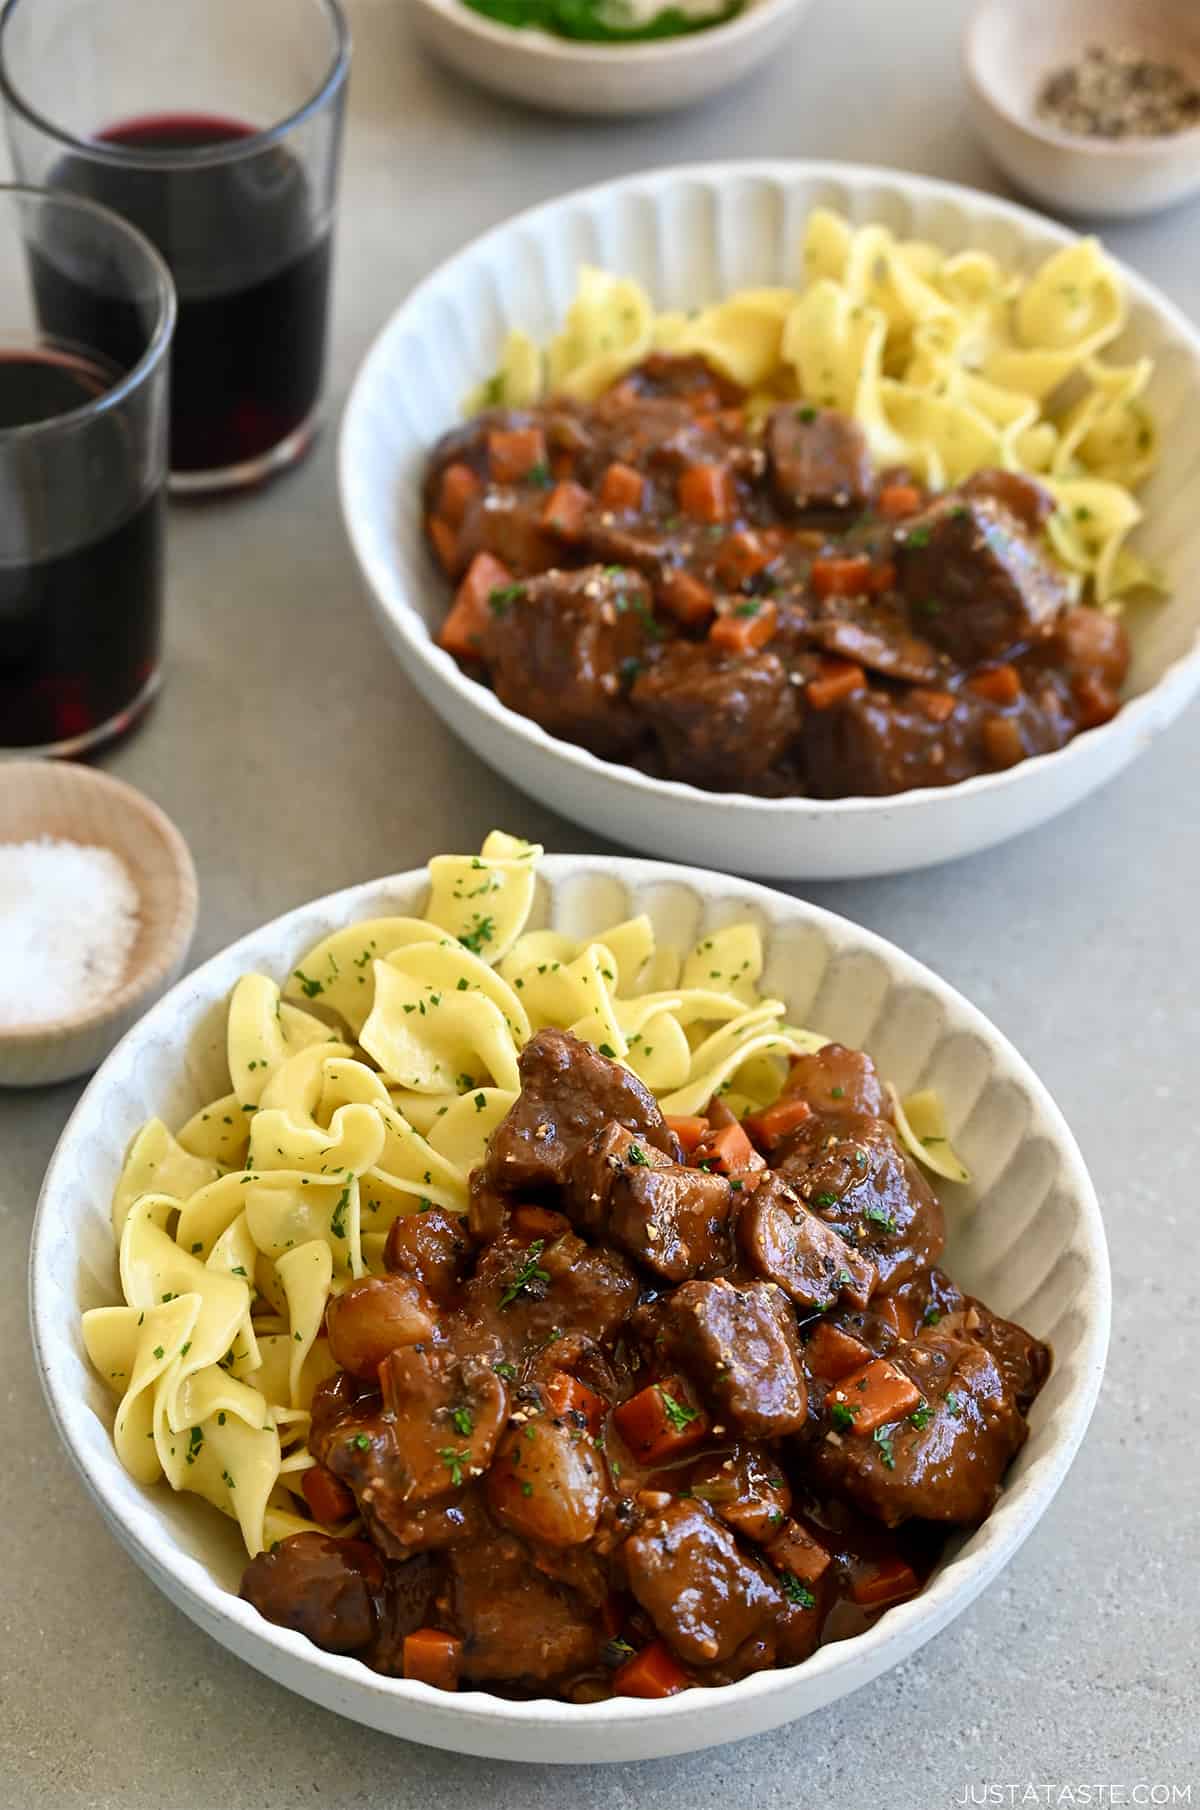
(83, 805)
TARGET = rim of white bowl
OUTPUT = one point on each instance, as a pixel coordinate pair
(544, 45)
(833, 1670)
(978, 68)
(1149, 710)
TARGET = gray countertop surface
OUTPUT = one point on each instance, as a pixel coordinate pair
(296, 758)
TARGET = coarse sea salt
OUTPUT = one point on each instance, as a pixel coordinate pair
(68, 920)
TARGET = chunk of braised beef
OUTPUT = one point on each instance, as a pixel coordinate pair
(738, 1344)
(327, 1589)
(561, 649)
(838, 1080)
(782, 1241)
(1024, 497)
(690, 379)
(514, 1621)
(875, 742)
(854, 1173)
(745, 1487)
(721, 720)
(595, 1168)
(817, 458)
(446, 1413)
(674, 1221)
(569, 1092)
(704, 1594)
(978, 584)
(876, 633)
(1024, 1361)
(945, 1459)
(433, 1248)
(525, 1292)
(405, 1606)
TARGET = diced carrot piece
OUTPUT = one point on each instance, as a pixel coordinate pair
(566, 509)
(326, 1495)
(622, 487)
(938, 706)
(565, 1395)
(459, 484)
(872, 1397)
(706, 493)
(431, 1657)
(848, 577)
(660, 1421)
(839, 679)
(895, 501)
(688, 599)
(1095, 702)
(1000, 684)
(1002, 741)
(728, 1151)
(796, 1551)
(539, 1222)
(690, 1131)
(773, 1124)
(747, 626)
(654, 1672)
(833, 1353)
(881, 578)
(462, 631)
(445, 544)
(513, 453)
(897, 1312)
(741, 556)
(878, 1583)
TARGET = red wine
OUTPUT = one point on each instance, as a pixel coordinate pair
(79, 630)
(251, 270)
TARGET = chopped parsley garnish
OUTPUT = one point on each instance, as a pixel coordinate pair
(842, 1414)
(454, 1462)
(796, 1592)
(917, 537)
(883, 1439)
(228, 1480)
(836, 1093)
(931, 1316)
(880, 1217)
(482, 931)
(539, 475)
(825, 1199)
(507, 1371)
(606, 1049)
(806, 414)
(678, 1412)
(636, 1157)
(361, 1441)
(528, 1274)
(337, 1221)
(954, 1405)
(158, 1351)
(921, 1416)
(751, 607)
(310, 988)
(501, 596)
(464, 1421)
(480, 1102)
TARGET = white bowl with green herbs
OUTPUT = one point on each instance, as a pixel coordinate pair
(605, 57)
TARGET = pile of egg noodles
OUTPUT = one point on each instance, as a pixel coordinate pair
(367, 1088)
(948, 362)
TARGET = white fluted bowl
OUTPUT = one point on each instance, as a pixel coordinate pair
(1026, 1234)
(692, 235)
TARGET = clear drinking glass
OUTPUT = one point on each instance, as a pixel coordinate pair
(83, 469)
(215, 126)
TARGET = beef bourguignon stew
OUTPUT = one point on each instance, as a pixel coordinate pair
(750, 608)
(677, 1401)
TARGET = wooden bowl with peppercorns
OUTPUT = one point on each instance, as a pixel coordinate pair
(1090, 106)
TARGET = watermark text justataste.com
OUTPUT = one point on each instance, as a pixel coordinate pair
(1142, 1794)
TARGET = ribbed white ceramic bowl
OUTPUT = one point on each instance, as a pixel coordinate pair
(1026, 1235)
(564, 75)
(691, 235)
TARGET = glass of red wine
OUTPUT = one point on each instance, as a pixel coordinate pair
(83, 471)
(215, 127)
